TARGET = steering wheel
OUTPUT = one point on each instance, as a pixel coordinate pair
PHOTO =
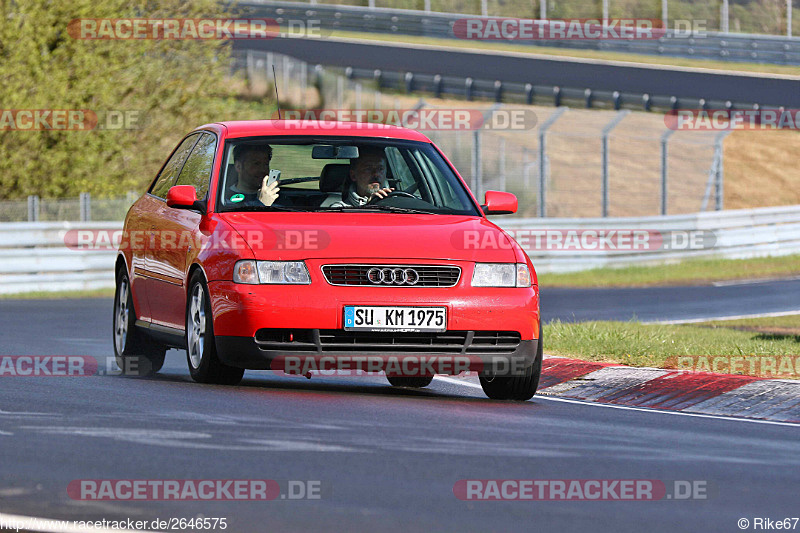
(400, 193)
(393, 194)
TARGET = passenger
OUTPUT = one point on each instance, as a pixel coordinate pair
(251, 162)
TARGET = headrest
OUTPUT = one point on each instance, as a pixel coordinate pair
(333, 177)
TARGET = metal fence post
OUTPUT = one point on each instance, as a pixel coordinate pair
(526, 170)
(33, 208)
(501, 171)
(86, 207)
(606, 130)
(543, 9)
(543, 158)
(303, 83)
(664, 169)
(286, 74)
(427, 6)
(723, 17)
(250, 68)
(485, 8)
(477, 165)
(719, 178)
(788, 18)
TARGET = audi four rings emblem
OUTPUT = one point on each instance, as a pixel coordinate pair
(392, 276)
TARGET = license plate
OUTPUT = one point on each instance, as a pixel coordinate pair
(372, 318)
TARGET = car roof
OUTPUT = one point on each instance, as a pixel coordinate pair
(255, 128)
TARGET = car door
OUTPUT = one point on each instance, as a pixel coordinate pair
(177, 235)
(143, 223)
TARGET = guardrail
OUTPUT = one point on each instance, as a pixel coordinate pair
(737, 234)
(33, 256)
(707, 45)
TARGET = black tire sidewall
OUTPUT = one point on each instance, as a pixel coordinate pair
(203, 369)
(142, 356)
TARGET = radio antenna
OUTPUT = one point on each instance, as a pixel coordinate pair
(277, 98)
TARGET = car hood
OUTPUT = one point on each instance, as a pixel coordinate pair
(291, 236)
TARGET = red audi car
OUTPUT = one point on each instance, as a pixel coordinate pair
(260, 241)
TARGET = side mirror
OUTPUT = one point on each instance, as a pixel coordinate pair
(499, 203)
(184, 197)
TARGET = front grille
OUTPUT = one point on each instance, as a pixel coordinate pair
(428, 275)
(337, 340)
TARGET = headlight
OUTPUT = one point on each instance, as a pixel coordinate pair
(501, 275)
(271, 272)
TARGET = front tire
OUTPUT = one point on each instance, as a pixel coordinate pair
(518, 388)
(201, 348)
(135, 352)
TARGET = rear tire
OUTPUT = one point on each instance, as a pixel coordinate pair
(135, 352)
(201, 349)
(416, 382)
(518, 388)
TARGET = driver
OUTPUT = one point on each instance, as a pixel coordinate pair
(367, 178)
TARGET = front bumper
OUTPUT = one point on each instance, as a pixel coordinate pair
(476, 352)
(241, 310)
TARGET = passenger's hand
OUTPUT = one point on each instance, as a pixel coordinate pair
(268, 194)
(380, 194)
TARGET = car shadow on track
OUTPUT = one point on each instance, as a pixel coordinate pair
(377, 386)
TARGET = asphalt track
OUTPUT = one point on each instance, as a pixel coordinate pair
(765, 90)
(385, 458)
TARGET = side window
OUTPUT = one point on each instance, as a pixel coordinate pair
(399, 168)
(197, 170)
(173, 166)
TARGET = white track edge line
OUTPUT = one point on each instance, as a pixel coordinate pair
(721, 318)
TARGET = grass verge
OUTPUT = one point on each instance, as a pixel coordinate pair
(61, 295)
(777, 325)
(688, 272)
(726, 350)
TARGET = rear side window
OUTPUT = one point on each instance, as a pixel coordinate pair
(173, 166)
(197, 170)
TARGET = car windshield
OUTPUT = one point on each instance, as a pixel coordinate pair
(340, 175)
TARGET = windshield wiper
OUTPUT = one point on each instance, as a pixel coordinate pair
(264, 208)
(395, 209)
(370, 208)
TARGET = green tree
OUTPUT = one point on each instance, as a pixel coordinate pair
(175, 85)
